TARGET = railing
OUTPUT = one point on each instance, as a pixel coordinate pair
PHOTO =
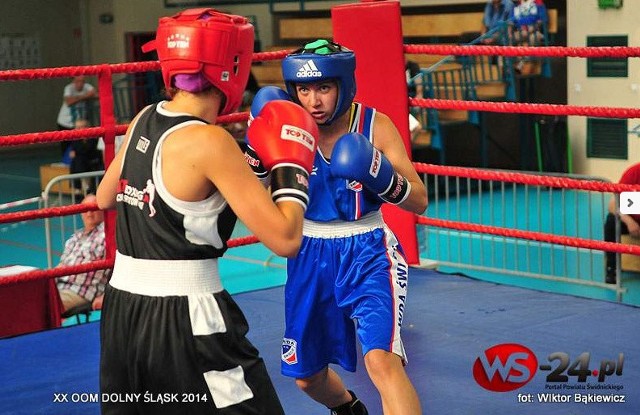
(61, 198)
(565, 212)
(473, 78)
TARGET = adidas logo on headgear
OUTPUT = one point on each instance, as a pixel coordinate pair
(308, 70)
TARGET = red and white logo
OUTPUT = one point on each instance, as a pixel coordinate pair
(178, 41)
(289, 355)
(376, 160)
(354, 185)
(293, 133)
(505, 367)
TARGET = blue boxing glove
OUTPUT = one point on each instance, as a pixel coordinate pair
(264, 95)
(355, 158)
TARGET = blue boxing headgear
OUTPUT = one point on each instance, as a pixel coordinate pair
(321, 61)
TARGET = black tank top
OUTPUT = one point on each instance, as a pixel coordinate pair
(153, 224)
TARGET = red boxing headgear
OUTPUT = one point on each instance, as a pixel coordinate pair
(218, 45)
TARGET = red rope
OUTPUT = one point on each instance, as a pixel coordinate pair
(79, 134)
(235, 117)
(530, 179)
(246, 240)
(538, 51)
(55, 136)
(270, 56)
(93, 70)
(533, 236)
(91, 266)
(70, 71)
(524, 108)
(506, 107)
(45, 274)
(47, 212)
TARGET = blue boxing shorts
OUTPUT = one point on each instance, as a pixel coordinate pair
(345, 272)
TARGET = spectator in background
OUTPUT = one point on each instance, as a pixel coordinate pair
(629, 224)
(411, 69)
(414, 87)
(85, 245)
(495, 13)
(527, 22)
(75, 105)
(85, 157)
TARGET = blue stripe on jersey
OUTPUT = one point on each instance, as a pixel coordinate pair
(333, 198)
(367, 128)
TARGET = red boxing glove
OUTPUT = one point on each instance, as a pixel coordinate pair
(285, 137)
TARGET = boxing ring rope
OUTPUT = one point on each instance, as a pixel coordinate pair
(534, 51)
(22, 202)
(526, 108)
(506, 107)
(109, 130)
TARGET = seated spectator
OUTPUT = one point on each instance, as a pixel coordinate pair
(96, 304)
(85, 245)
(496, 12)
(527, 20)
(85, 157)
(526, 25)
(629, 224)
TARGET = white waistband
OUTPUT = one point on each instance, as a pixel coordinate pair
(161, 278)
(341, 229)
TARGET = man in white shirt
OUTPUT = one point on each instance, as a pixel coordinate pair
(75, 105)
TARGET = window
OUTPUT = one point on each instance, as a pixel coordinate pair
(607, 138)
(607, 67)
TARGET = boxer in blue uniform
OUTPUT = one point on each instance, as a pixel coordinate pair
(173, 341)
(350, 266)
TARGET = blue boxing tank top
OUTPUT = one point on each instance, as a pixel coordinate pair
(152, 223)
(333, 198)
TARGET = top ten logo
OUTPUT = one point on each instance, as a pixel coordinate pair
(505, 367)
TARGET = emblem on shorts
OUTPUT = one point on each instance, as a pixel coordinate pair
(289, 355)
(354, 186)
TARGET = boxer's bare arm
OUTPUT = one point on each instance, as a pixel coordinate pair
(213, 160)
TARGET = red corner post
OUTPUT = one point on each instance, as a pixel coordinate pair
(373, 30)
(108, 122)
